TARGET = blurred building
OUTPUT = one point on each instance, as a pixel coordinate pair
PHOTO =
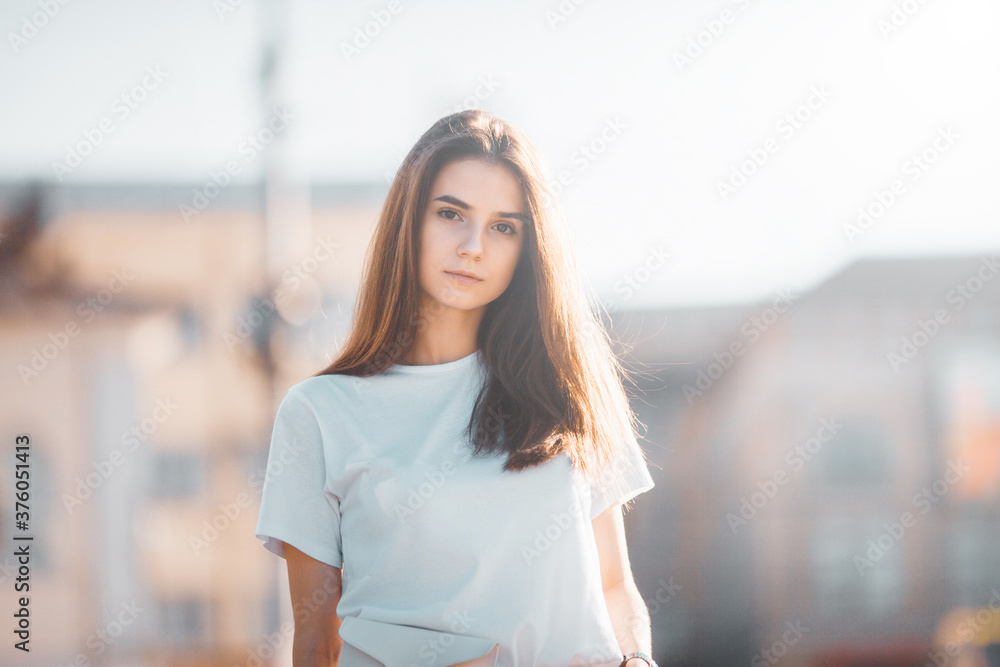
(145, 353)
(831, 462)
(145, 356)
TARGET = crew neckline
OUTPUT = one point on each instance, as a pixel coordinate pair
(437, 368)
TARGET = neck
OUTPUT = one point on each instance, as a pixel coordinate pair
(447, 334)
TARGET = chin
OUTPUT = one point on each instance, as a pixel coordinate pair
(461, 301)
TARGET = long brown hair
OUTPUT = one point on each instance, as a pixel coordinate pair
(553, 383)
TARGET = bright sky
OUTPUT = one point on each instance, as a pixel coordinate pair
(835, 100)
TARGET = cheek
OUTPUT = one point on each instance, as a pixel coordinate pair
(512, 259)
(429, 251)
(435, 242)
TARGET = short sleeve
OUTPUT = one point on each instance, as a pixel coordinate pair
(295, 506)
(624, 481)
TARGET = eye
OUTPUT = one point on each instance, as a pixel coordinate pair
(513, 229)
(445, 211)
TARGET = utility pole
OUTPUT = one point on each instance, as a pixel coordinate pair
(285, 201)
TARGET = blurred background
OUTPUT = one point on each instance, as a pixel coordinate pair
(787, 210)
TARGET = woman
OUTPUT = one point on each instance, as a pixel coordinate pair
(448, 491)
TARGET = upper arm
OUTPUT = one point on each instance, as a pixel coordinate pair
(609, 533)
(315, 589)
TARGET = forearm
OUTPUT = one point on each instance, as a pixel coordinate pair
(629, 618)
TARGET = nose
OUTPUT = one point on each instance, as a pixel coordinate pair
(472, 241)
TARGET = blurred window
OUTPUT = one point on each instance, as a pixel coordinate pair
(856, 456)
(182, 622)
(177, 474)
(191, 328)
(39, 512)
(850, 575)
(973, 558)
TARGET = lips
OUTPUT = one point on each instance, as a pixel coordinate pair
(463, 278)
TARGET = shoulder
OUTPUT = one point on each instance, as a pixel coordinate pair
(318, 387)
(326, 394)
(311, 385)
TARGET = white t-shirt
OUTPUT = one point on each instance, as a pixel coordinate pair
(444, 555)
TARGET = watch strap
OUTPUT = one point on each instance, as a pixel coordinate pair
(648, 659)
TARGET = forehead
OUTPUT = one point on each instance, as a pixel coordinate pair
(473, 179)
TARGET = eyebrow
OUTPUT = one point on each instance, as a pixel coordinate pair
(455, 201)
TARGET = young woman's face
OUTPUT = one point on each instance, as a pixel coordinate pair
(474, 222)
